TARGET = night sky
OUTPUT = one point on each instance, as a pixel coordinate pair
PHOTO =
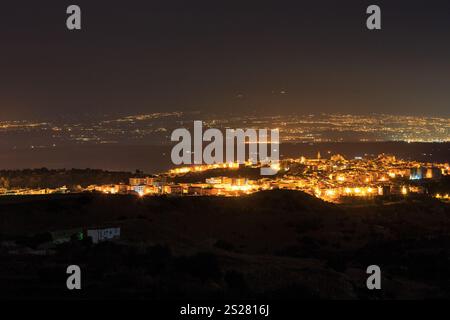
(224, 56)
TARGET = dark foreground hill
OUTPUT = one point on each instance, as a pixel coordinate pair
(277, 244)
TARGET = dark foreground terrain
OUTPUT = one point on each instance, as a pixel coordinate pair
(277, 245)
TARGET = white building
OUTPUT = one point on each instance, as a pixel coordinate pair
(106, 234)
(139, 189)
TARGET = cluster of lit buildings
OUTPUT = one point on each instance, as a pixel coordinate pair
(336, 179)
(216, 186)
(32, 191)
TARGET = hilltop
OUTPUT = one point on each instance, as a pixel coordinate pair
(269, 244)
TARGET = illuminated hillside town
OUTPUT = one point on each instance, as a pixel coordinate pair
(334, 179)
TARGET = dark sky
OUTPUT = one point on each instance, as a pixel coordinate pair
(239, 56)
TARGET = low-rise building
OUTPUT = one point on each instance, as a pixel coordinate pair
(103, 234)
